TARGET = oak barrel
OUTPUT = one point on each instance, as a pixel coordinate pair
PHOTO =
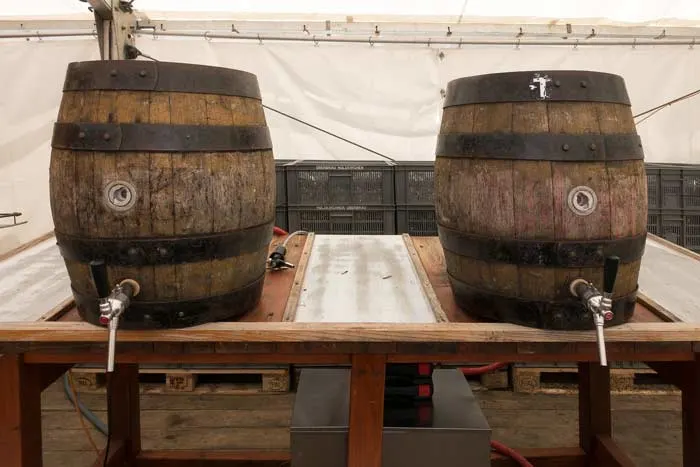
(165, 171)
(538, 177)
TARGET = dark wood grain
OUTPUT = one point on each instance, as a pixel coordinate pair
(691, 413)
(366, 411)
(20, 413)
(595, 417)
(524, 199)
(178, 194)
(606, 453)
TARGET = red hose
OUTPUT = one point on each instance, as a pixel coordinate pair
(278, 231)
(506, 451)
(480, 370)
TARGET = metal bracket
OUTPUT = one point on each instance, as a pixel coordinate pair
(14, 215)
(116, 28)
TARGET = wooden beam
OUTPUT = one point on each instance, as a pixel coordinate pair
(594, 403)
(366, 411)
(438, 311)
(117, 453)
(290, 310)
(49, 373)
(545, 457)
(20, 413)
(690, 405)
(670, 372)
(606, 453)
(334, 333)
(123, 410)
(213, 458)
(102, 8)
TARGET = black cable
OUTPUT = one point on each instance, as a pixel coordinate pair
(329, 133)
(659, 107)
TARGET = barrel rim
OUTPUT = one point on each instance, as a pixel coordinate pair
(163, 250)
(159, 137)
(502, 87)
(141, 75)
(179, 313)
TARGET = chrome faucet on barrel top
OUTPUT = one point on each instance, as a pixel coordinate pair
(600, 304)
(113, 303)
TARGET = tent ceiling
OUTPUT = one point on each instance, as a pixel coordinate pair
(647, 12)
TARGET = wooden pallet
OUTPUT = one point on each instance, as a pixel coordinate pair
(562, 379)
(198, 379)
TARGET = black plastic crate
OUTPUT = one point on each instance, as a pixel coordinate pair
(673, 186)
(415, 183)
(359, 220)
(281, 219)
(418, 221)
(281, 181)
(679, 227)
(340, 183)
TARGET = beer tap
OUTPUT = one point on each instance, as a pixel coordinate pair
(112, 302)
(599, 304)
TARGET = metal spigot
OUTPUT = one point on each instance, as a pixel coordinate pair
(276, 259)
(600, 304)
(112, 303)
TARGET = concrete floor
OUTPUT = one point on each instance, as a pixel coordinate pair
(648, 427)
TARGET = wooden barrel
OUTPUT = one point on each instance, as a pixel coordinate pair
(165, 171)
(538, 177)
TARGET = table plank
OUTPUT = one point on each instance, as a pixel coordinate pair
(670, 276)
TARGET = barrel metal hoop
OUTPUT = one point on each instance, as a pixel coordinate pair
(164, 77)
(535, 86)
(564, 254)
(541, 146)
(178, 313)
(567, 314)
(142, 251)
(150, 137)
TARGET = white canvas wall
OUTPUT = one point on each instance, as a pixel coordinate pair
(384, 97)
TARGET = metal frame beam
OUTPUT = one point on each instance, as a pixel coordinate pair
(116, 26)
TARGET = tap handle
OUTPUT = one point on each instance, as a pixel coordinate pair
(98, 270)
(610, 273)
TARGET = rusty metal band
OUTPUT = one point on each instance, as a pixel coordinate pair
(140, 75)
(564, 314)
(148, 137)
(541, 146)
(524, 86)
(562, 254)
(178, 313)
(138, 251)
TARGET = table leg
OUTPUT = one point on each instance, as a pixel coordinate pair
(366, 411)
(124, 416)
(691, 413)
(20, 413)
(594, 414)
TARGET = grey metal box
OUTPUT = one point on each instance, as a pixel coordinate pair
(458, 434)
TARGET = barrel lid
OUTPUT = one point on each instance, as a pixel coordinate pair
(141, 75)
(533, 86)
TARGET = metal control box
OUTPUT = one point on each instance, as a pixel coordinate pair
(455, 435)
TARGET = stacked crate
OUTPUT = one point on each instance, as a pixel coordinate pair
(415, 202)
(341, 197)
(674, 203)
(281, 192)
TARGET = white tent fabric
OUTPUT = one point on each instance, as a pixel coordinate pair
(626, 11)
(385, 97)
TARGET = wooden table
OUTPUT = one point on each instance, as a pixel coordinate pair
(37, 353)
